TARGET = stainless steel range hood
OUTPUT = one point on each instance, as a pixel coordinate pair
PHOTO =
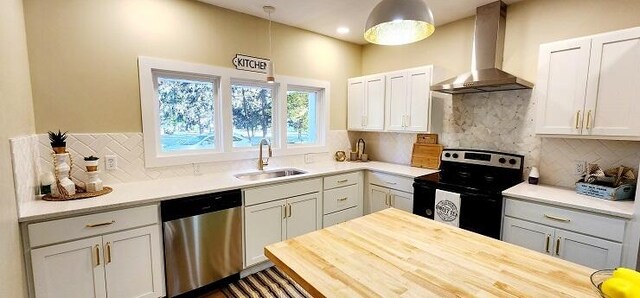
(488, 47)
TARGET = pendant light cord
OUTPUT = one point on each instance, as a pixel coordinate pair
(270, 48)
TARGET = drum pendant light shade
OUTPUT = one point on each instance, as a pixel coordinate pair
(397, 22)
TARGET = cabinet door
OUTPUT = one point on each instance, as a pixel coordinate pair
(303, 215)
(613, 88)
(396, 101)
(355, 103)
(374, 103)
(560, 88)
(419, 100)
(73, 269)
(378, 198)
(526, 234)
(133, 263)
(263, 225)
(402, 200)
(587, 251)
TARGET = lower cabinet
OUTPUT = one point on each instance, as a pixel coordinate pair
(342, 198)
(122, 264)
(579, 248)
(279, 219)
(381, 198)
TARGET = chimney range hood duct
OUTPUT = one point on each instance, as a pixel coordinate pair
(488, 47)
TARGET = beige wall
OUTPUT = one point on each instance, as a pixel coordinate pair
(83, 55)
(16, 118)
(529, 23)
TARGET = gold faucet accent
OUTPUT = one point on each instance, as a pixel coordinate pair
(261, 161)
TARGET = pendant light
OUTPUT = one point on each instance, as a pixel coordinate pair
(270, 78)
(398, 22)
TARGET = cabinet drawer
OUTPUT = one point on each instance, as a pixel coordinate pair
(341, 216)
(577, 221)
(391, 181)
(258, 195)
(66, 229)
(342, 180)
(341, 198)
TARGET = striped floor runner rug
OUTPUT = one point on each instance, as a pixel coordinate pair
(267, 283)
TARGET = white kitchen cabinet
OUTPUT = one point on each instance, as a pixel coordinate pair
(386, 190)
(73, 269)
(278, 212)
(588, 86)
(366, 103)
(549, 233)
(408, 100)
(342, 198)
(109, 254)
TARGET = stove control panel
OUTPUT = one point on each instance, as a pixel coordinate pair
(481, 157)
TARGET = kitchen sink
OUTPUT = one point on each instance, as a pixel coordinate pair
(255, 176)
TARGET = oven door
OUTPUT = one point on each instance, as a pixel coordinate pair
(481, 214)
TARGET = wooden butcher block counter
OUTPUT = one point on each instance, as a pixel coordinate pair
(394, 253)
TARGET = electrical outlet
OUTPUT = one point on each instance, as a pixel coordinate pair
(196, 169)
(110, 162)
(308, 158)
(580, 167)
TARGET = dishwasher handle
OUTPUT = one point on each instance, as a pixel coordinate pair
(200, 204)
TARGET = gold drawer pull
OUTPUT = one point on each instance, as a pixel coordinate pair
(589, 119)
(557, 218)
(342, 199)
(108, 253)
(578, 120)
(558, 246)
(343, 181)
(546, 248)
(97, 247)
(390, 183)
(100, 224)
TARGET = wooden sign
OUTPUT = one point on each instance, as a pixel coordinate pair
(250, 63)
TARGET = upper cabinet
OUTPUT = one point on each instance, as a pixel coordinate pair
(366, 103)
(398, 101)
(589, 86)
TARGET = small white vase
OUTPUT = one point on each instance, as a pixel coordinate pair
(63, 169)
(94, 183)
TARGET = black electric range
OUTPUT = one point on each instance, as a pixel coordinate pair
(479, 177)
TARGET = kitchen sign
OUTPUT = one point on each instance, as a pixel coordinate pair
(250, 63)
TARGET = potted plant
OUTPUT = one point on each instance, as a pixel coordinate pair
(91, 162)
(58, 141)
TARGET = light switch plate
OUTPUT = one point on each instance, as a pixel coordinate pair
(580, 167)
(308, 158)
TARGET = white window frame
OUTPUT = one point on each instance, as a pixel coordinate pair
(224, 151)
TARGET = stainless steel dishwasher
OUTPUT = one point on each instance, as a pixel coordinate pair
(202, 241)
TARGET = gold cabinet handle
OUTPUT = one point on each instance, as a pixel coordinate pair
(589, 119)
(288, 210)
(390, 183)
(97, 249)
(578, 120)
(558, 246)
(342, 199)
(284, 211)
(557, 218)
(100, 224)
(546, 248)
(108, 252)
(343, 181)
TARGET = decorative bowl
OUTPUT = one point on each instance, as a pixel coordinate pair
(598, 277)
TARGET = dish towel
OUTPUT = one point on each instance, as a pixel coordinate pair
(447, 207)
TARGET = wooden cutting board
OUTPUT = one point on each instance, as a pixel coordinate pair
(426, 156)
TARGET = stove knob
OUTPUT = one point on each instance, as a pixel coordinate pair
(512, 161)
(429, 212)
(447, 155)
(455, 155)
(502, 160)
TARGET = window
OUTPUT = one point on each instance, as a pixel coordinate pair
(194, 113)
(186, 113)
(302, 115)
(252, 109)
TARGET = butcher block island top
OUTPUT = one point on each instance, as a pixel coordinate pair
(394, 253)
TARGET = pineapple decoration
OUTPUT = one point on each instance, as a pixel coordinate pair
(64, 186)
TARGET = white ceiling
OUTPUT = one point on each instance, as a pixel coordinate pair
(325, 16)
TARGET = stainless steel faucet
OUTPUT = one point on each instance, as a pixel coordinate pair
(262, 162)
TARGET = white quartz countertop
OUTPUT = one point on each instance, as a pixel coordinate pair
(146, 192)
(569, 198)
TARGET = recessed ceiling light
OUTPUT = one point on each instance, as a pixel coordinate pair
(343, 30)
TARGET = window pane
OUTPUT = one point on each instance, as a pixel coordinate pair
(252, 111)
(301, 117)
(186, 114)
